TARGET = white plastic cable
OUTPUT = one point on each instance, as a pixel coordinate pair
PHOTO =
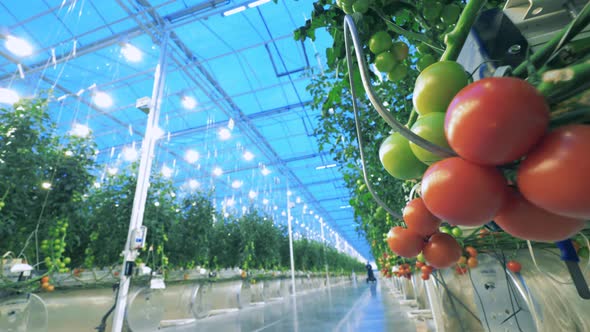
(548, 275)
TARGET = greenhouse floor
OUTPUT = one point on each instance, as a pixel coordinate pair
(359, 307)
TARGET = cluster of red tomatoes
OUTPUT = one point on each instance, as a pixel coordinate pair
(425, 269)
(492, 125)
(465, 262)
(404, 271)
(422, 234)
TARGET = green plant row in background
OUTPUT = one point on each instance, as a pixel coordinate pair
(58, 216)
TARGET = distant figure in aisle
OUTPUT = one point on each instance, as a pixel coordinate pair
(370, 275)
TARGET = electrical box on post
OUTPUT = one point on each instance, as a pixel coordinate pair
(138, 238)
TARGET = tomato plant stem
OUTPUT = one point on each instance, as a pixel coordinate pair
(555, 43)
(412, 118)
(455, 39)
(561, 84)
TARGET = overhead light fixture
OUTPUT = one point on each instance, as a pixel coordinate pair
(112, 170)
(46, 185)
(188, 102)
(224, 134)
(265, 201)
(252, 194)
(248, 155)
(257, 3)
(298, 200)
(217, 171)
(167, 171)
(191, 156)
(131, 53)
(18, 46)
(345, 206)
(102, 99)
(230, 202)
(130, 154)
(265, 171)
(234, 11)
(236, 184)
(8, 96)
(193, 184)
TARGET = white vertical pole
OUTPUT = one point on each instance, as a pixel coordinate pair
(143, 182)
(325, 258)
(290, 241)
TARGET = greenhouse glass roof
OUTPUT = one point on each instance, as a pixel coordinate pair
(235, 114)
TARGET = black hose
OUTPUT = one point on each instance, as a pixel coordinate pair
(103, 322)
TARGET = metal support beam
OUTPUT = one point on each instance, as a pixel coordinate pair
(143, 180)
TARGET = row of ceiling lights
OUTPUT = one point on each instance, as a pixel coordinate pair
(22, 48)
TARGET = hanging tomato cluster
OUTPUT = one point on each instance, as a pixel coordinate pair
(493, 124)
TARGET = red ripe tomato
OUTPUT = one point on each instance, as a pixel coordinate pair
(463, 193)
(442, 251)
(496, 120)
(514, 266)
(471, 251)
(554, 176)
(425, 276)
(404, 242)
(523, 220)
(419, 219)
(472, 262)
(427, 269)
(461, 270)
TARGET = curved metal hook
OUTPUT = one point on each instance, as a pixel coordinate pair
(350, 32)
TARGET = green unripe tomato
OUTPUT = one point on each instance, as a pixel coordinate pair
(400, 50)
(360, 6)
(385, 61)
(425, 61)
(398, 160)
(446, 230)
(347, 8)
(380, 42)
(398, 72)
(421, 258)
(431, 12)
(437, 85)
(456, 232)
(67, 260)
(431, 127)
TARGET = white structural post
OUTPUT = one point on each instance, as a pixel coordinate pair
(290, 240)
(325, 257)
(141, 189)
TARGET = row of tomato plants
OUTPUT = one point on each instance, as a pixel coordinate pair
(59, 217)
